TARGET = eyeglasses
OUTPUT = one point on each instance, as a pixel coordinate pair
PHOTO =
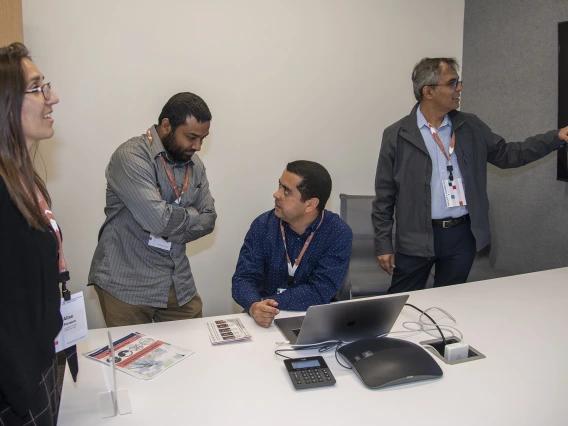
(45, 90)
(453, 83)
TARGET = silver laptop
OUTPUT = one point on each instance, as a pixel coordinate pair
(346, 321)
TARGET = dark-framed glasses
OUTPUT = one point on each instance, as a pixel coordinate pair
(45, 90)
(453, 83)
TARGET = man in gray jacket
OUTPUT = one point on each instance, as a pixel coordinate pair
(433, 167)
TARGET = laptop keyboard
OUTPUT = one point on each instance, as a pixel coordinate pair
(296, 331)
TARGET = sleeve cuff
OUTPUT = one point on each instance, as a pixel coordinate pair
(247, 306)
(193, 215)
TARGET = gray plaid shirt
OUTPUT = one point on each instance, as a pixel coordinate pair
(140, 202)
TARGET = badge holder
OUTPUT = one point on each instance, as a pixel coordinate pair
(115, 400)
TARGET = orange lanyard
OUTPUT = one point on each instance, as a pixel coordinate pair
(49, 215)
(63, 272)
(306, 244)
(452, 146)
(170, 176)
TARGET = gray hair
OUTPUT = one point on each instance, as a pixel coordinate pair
(427, 72)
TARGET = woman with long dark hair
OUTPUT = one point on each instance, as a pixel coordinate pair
(31, 258)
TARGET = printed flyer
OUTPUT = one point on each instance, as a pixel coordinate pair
(141, 356)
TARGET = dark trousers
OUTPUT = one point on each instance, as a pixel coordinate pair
(454, 253)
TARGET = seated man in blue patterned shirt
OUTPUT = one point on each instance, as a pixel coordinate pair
(297, 254)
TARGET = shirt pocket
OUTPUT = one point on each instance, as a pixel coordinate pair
(192, 194)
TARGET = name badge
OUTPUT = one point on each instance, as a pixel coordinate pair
(159, 243)
(454, 193)
(74, 328)
(292, 269)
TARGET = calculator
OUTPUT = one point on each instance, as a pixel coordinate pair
(310, 372)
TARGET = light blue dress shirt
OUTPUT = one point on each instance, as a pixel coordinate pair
(439, 166)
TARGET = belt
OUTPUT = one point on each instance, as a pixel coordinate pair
(450, 223)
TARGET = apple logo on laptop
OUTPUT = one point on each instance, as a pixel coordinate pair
(351, 323)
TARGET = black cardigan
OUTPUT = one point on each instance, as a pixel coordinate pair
(29, 304)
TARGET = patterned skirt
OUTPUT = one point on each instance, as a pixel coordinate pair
(45, 405)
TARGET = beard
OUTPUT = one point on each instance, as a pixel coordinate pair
(175, 152)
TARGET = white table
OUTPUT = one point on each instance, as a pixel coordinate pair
(519, 323)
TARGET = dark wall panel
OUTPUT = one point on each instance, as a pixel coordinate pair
(563, 95)
(510, 73)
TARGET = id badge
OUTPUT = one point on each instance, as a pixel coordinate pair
(74, 328)
(454, 193)
(159, 243)
(292, 269)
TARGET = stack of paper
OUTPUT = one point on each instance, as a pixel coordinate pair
(226, 331)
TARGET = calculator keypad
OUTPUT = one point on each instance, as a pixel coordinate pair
(312, 378)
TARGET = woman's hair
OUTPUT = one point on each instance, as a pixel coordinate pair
(16, 165)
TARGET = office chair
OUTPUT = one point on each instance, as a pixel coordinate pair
(483, 270)
(365, 277)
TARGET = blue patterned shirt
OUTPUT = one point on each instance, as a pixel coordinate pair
(262, 267)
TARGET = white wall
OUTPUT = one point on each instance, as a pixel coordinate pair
(285, 80)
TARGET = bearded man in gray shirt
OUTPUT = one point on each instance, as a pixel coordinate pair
(157, 200)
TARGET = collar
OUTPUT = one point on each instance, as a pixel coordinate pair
(314, 225)
(410, 122)
(157, 147)
(309, 229)
(409, 127)
(422, 122)
(457, 118)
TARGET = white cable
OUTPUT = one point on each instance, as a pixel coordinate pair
(424, 325)
(412, 333)
(315, 345)
(433, 331)
(421, 318)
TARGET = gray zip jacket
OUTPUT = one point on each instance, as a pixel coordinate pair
(404, 172)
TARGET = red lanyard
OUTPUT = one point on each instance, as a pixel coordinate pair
(452, 145)
(170, 176)
(306, 244)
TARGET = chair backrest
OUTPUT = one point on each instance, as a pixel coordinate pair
(356, 211)
(364, 277)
